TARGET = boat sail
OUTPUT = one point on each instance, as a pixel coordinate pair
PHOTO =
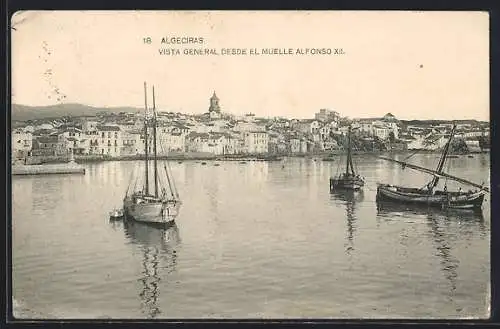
(348, 180)
(161, 205)
(428, 195)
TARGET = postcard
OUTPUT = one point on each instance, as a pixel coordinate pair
(250, 165)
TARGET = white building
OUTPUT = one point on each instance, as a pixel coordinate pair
(294, 145)
(171, 142)
(197, 142)
(90, 125)
(308, 126)
(132, 143)
(327, 115)
(22, 143)
(256, 142)
(109, 140)
(243, 126)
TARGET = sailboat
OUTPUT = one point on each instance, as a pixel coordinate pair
(428, 195)
(348, 180)
(162, 204)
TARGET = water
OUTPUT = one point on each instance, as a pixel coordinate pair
(254, 240)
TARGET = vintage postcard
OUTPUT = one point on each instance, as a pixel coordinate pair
(250, 165)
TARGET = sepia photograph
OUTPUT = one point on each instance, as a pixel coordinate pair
(250, 165)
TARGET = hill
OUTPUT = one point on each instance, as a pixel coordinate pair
(24, 112)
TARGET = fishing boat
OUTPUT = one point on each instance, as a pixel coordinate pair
(161, 204)
(428, 195)
(348, 180)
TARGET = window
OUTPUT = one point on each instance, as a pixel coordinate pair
(102, 135)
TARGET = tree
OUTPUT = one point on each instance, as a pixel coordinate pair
(392, 138)
(459, 146)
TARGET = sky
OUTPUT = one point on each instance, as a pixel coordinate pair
(416, 65)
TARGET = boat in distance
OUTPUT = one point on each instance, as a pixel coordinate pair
(428, 195)
(116, 214)
(162, 205)
(348, 180)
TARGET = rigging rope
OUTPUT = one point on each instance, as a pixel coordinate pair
(446, 180)
(410, 155)
(171, 184)
(131, 179)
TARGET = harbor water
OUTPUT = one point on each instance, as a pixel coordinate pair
(253, 240)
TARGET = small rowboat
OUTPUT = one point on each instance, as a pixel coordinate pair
(116, 214)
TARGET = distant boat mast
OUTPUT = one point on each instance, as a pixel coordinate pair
(154, 145)
(146, 137)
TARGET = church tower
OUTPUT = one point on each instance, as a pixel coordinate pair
(214, 109)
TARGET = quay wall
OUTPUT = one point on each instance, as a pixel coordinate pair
(178, 156)
(47, 169)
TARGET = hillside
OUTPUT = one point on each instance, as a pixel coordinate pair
(437, 122)
(24, 112)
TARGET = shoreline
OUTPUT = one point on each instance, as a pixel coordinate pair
(37, 160)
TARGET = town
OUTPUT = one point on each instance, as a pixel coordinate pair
(120, 135)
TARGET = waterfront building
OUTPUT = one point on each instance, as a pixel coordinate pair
(324, 131)
(216, 143)
(48, 146)
(109, 140)
(174, 141)
(22, 143)
(234, 143)
(197, 142)
(473, 145)
(303, 145)
(256, 142)
(295, 145)
(132, 143)
(330, 145)
(74, 141)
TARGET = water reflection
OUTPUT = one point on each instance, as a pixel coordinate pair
(438, 222)
(350, 199)
(449, 264)
(159, 253)
(388, 209)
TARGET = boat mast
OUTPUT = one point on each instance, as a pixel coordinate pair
(442, 160)
(146, 137)
(154, 145)
(349, 156)
(435, 173)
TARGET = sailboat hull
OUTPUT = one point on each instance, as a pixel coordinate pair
(153, 212)
(346, 183)
(440, 199)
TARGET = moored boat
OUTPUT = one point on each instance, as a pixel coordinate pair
(428, 195)
(348, 180)
(116, 214)
(162, 205)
